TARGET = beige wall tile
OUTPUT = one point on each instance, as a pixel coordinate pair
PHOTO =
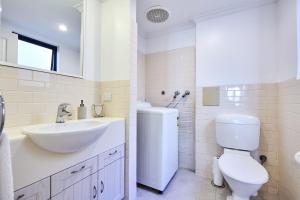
(289, 139)
(33, 97)
(170, 71)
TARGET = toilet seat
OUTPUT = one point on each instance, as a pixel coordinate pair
(242, 167)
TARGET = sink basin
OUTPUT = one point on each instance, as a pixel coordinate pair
(67, 137)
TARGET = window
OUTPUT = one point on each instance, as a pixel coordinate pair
(36, 54)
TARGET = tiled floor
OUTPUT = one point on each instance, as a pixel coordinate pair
(187, 186)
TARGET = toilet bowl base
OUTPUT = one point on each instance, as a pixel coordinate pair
(229, 197)
(235, 197)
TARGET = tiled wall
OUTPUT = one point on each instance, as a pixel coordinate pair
(289, 128)
(119, 90)
(33, 97)
(170, 71)
(258, 100)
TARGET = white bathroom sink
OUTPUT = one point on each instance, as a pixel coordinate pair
(66, 137)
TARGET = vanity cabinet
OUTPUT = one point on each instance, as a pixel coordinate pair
(85, 189)
(114, 180)
(78, 182)
(36, 191)
(70, 177)
(111, 174)
(99, 178)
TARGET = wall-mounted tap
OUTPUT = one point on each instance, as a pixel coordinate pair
(176, 94)
(186, 93)
(61, 112)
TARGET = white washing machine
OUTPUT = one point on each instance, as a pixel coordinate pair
(157, 145)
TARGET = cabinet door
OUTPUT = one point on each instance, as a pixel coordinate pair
(114, 180)
(85, 189)
(37, 191)
(69, 177)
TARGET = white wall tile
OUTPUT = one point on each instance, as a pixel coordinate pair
(260, 100)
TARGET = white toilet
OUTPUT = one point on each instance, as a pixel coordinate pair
(239, 135)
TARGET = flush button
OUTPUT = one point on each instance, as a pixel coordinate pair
(211, 96)
(107, 96)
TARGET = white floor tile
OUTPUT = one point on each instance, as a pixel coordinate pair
(187, 186)
(184, 186)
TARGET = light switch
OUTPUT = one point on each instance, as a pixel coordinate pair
(107, 96)
(211, 96)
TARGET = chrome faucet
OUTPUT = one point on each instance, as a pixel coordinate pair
(61, 112)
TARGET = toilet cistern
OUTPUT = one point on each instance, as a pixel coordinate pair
(239, 135)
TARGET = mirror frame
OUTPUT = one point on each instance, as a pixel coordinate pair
(82, 42)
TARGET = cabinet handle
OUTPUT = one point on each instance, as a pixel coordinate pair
(20, 196)
(102, 187)
(95, 192)
(2, 106)
(116, 151)
(76, 171)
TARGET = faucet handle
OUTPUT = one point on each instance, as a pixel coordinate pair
(64, 105)
(61, 112)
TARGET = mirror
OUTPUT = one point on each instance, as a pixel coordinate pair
(44, 35)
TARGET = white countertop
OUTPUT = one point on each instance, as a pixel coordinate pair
(31, 163)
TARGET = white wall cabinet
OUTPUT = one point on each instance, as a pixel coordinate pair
(99, 178)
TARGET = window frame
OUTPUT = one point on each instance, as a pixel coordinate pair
(42, 44)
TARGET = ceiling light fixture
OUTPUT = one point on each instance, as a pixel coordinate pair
(63, 28)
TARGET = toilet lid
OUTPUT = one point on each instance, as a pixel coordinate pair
(243, 168)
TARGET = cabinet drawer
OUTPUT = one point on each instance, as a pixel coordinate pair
(72, 175)
(37, 191)
(110, 156)
(85, 189)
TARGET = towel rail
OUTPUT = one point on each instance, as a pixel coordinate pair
(2, 114)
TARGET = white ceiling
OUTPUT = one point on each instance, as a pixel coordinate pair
(42, 17)
(183, 12)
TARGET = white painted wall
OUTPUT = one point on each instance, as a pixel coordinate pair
(118, 61)
(298, 37)
(92, 47)
(238, 48)
(141, 44)
(115, 40)
(141, 76)
(171, 41)
(287, 39)
(141, 68)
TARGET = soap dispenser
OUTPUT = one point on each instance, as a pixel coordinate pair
(82, 111)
